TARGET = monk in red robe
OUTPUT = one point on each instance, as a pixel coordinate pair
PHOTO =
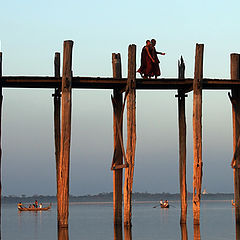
(155, 65)
(146, 68)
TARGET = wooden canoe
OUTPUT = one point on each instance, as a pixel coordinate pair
(34, 209)
(164, 205)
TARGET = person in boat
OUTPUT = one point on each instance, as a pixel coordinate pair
(20, 205)
(35, 204)
(146, 68)
(155, 65)
(165, 203)
(161, 202)
(40, 205)
(30, 206)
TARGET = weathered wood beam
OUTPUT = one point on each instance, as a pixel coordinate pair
(118, 155)
(182, 144)
(57, 113)
(235, 74)
(197, 132)
(131, 133)
(63, 190)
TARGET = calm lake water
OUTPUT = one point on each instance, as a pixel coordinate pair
(95, 221)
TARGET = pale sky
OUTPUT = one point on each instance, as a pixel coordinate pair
(32, 31)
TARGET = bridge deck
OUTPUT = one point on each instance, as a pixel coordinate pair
(111, 83)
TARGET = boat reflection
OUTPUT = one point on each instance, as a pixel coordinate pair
(63, 234)
(196, 232)
(118, 234)
(184, 232)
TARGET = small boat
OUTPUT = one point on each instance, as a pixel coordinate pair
(166, 205)
(34, 209)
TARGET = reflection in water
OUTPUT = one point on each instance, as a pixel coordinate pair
(196, 234)
(62, 233)
(184, 232)
(118, 232)
(237, 231)
(127, 233)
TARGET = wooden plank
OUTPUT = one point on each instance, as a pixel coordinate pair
(235, 74)
(118, 156)
(131, 134)
(57, 120)
(112, 83)
(182, 145)
(197, 132)
(63, 185)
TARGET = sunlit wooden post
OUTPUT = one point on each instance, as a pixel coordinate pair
(235, 99)
(63, 181)
(131, 133)
(1, 100)
(57, 108)
(197, 132)
(117, 119)
(182, 144)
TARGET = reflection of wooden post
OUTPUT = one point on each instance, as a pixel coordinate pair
(197, 132)
(118, 232)
(63, 234)
(127, 233)
(117, 116)
(131, 133)
(63, 193)
(196, 232)
(1, 100)
(235, 75)
(182, 144)
(57, 107)
(184, 232)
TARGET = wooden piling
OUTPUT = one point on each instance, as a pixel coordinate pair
(182, 144)
(63, 234)
(57, 109)
(63, 181)
(235, 99)
(196, 232)
(1, 100)
(118, 232)
(118, 156)
(197, 132)
(131, 133)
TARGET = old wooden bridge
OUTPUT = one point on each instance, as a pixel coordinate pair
(124, 91)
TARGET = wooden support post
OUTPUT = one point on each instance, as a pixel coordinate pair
(63, 181)
(235, 74)
(117, 117)
(131, 133)
(57, 109)
(182, 144)
(197, 132)
(1, 100)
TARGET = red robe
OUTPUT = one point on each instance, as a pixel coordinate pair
(146, 67)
